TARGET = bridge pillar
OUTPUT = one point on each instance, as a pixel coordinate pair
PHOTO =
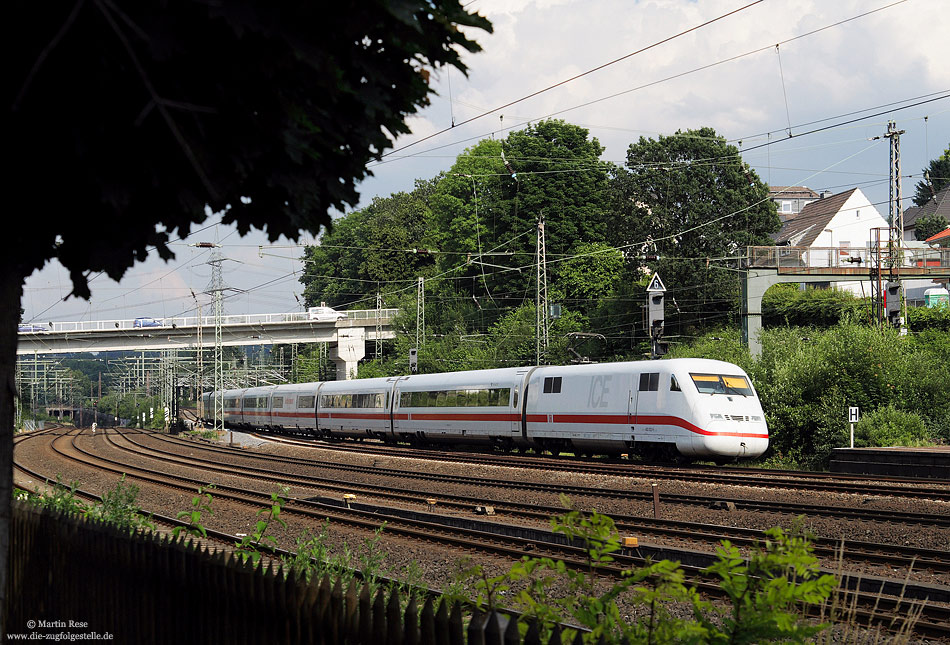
(754, 284)
(350, 348)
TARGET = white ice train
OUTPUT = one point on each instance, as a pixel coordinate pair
(686, 407)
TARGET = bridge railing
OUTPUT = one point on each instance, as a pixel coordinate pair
(143, 324)
(831, 257)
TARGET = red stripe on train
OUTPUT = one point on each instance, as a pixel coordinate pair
(622, 419)
(383, 416)
(416, 416)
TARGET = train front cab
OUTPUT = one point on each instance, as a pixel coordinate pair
(727, 416)
(654, 408)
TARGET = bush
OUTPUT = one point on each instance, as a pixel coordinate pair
(765, 592)
(787, 305)
(807, 378)
(888, 426)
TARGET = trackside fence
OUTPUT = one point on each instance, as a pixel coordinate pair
(73, 576)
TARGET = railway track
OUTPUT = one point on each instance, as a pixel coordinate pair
(790, 508)
(934, 621)
(904, 557)
(724, 476)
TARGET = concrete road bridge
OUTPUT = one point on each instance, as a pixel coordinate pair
(347, 336)
(765, 266)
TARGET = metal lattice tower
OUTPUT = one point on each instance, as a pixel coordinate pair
(379, 326)
(200, 350)
(216, 289)
(895, 219)
(17, 412)
(542, 323)
(420, 312)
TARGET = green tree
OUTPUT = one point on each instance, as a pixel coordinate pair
(126, 122)
(487, 207)
(939, 172)
(379, 247)
(929, 225)
(690, 201)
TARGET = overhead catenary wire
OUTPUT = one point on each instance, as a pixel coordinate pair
(582, 74)
(653, 83)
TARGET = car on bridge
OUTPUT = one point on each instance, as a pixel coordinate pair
(145, 321)
(325, 314)
(31, 329)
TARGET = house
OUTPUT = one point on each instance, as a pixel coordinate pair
(938, 205)
(835, 230)
(941, 239)
(790, 200)
(843, 221)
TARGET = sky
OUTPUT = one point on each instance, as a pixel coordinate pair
(802, 88)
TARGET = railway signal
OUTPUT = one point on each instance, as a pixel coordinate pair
(892, 303)
(655, 308)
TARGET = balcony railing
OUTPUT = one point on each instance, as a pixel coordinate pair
(825, 257)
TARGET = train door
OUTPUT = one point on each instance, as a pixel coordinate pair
(394, 405)
(520, 403)
(632, 409)
(647, 407)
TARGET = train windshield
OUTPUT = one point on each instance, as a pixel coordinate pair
(722, 384)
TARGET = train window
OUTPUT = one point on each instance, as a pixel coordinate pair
(649, 381)
(502, 395)
(451, 398)
(278, 402)
(737, 385)
(514, 401)
(552, 385)
(718, 384)
(674, 384)
(305, 401)
(249, 402)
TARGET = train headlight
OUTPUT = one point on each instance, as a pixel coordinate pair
(715, 416)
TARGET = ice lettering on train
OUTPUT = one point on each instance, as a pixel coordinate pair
(599, 389)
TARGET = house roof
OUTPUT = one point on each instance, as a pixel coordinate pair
(939, 204)
(792, 192)
(941, 238)
(802, 230)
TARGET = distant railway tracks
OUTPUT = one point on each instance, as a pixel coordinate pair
(183, 465)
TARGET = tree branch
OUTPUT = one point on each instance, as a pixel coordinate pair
(46, 52)
(159, 102)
